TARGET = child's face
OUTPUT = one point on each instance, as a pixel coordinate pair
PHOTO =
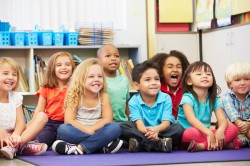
(63, 68)
(110, 59)
(8, 78)
(172, 71)
(240, 86)
(149, 83)
(94, 80)
(200, 79)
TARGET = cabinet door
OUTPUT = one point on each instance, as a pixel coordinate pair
(217, 53)
(240, 43)
(188, 44)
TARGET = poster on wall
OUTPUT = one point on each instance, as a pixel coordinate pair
(204, 13)
(223, 12)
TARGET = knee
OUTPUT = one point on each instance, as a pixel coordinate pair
(115, 128)
(42, 118)
(63, 128)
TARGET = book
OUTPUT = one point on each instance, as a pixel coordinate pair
(77, 59)
(28, 112)
(24, 86)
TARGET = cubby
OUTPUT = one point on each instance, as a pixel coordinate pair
(25, 57)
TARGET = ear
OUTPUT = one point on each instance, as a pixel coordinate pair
(136, 85)
(230, 85)
(189, 82)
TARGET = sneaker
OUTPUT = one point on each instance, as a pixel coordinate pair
(33, 148)
(9, 152)
(61, 147)
(113, 146)
(133, 145)
(245, 141)
(163, 145)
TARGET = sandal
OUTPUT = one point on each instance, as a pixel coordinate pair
(192, 146)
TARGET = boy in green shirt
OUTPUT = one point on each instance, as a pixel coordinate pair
(118, 85)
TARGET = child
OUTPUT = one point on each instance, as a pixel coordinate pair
(195, 111)
(13, 135)
(153, 126)
(172, 66)
(236, 102)
(117, 85)
(88, 114)
(51, 96)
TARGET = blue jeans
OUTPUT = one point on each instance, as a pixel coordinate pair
(90, 143)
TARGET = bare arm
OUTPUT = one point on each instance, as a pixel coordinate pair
(15, 137)
(222, 123)
(40, 105)
(140, 126)
(127, 111)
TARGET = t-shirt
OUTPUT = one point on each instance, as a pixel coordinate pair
(176, 97)
(118, 91)
(54, 102)
(8, 111)
(151, 116)
(202, 111)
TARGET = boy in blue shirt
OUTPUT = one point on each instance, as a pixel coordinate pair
(152, 126)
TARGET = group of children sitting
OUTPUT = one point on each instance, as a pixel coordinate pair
(88, 108)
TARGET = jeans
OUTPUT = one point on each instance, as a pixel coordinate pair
(90, 143)
(49, 133)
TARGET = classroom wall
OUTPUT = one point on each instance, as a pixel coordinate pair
(136, 27)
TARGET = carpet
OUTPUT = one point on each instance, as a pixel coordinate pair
(142, 158)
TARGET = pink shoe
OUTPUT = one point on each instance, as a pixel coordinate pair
(237, 143)
(9, 152)
(33, 148)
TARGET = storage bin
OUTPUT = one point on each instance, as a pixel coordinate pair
(45, 38)
(71, 38)
(4, 38)
(31, 39)
(58, 38)
(17, 38)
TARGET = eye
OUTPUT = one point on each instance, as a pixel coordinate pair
(107, 56)
(14, 74)
(100, 76)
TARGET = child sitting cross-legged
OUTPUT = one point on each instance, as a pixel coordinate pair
(152, 126)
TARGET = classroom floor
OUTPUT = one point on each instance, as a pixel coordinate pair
(16, 162)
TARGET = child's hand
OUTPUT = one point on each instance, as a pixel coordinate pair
(211, 142)
(243, 127)
(15, 139)
(220, 139)
(152, 134)
(5, 142)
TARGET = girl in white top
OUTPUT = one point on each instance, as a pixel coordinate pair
(12, 124)
(88, 115)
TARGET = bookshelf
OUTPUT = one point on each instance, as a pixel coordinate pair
(25, 58)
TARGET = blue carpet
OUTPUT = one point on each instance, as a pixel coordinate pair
(142, 158)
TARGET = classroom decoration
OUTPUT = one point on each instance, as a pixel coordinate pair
(204, 13)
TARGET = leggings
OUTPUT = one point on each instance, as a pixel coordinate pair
(190, 134)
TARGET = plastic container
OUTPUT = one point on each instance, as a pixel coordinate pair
(58, 38)
(31, 39)
(45, 38)
(71, 38)
(4, 38)
(17, 38)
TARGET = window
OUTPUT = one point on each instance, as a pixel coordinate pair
(51, 14)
